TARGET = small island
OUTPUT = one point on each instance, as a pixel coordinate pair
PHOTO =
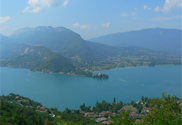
(99, 75)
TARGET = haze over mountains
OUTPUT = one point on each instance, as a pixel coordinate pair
(152, 38)
(59, 40)
(42, 48)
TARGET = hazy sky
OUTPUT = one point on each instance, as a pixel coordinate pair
(90, 18)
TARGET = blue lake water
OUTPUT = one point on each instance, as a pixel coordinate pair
(61, 91)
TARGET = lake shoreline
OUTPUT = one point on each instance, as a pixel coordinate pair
(137, 67)
(93, 71)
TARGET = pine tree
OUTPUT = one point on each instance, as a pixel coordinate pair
(114, 100)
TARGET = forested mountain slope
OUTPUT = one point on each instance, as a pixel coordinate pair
(37, 58)
(153, 38)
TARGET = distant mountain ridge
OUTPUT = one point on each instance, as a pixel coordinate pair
(152, 38)
(68, 50)
(64, 42)
(57, 39)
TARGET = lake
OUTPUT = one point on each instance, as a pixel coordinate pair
(61, 91)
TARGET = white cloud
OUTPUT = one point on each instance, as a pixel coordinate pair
(166, 18)
(84, 26)
(76, 24)
(170, 5)
(106, 25)
(146, 7)
(136, 8)
(36, 10)
(65, 3)
(157, 8)
(37, 5)
(81, 26)
(4, 19)
(27, 8)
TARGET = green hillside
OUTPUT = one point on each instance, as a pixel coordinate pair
(19, 110)
(38, 58)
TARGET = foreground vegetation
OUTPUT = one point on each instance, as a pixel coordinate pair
(19, 110)
(163, 111)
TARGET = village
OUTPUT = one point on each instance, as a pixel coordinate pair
(103, 116)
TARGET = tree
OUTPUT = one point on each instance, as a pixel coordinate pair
(142, 99)
(132, 102)
(123, 119)
(114, 100)
(55, 109)
(106, 115)
(146, 99)
(82, 107)
(67, 110)
(97, 102)
(163, 111)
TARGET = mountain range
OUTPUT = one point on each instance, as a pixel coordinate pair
(60, 50)
(62, 41)
(152, 38)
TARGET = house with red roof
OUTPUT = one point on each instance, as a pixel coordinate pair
(101, 119)
(91, 114)
(81, 112)
(42, 108)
